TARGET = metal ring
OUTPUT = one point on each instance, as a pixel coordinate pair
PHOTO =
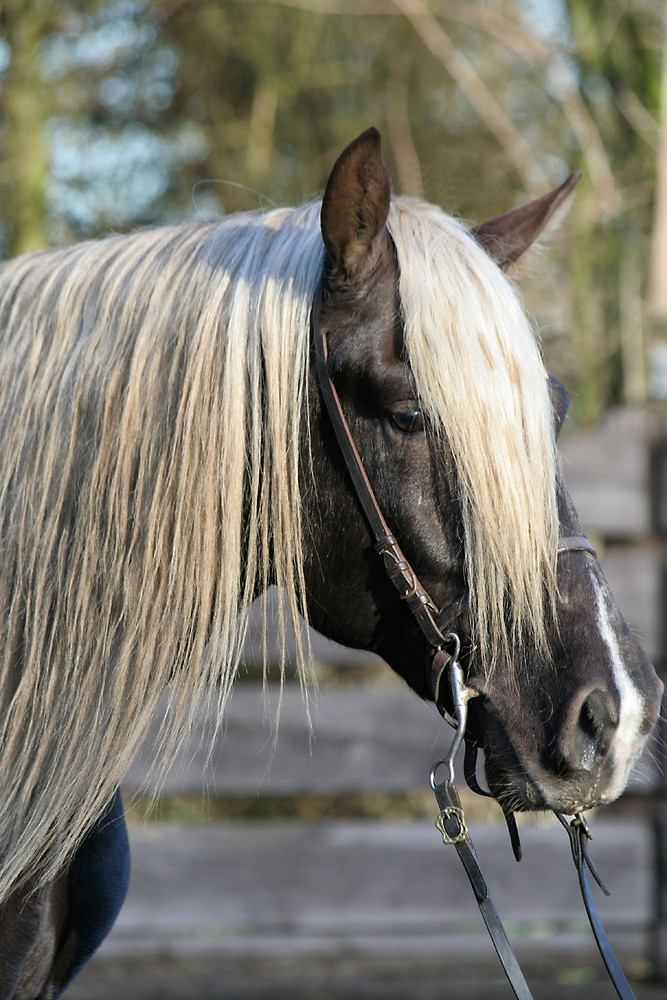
(453, 637)
(413, 589)
(432, 773)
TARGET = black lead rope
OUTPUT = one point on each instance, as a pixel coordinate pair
(580, 836)
(452, 825)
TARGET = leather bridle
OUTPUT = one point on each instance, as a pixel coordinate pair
(435, 623)
(450, 694)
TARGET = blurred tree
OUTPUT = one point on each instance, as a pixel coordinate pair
(24, 112)
(618, 55)
(529, 91)
(658, 299)
(117, 141)
(115, 113)
(280, 87)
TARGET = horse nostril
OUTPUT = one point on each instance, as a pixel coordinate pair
(589, 730)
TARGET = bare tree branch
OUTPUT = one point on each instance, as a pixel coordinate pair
(511, 36)
(438, 42)
(400, 135)
(561, 81)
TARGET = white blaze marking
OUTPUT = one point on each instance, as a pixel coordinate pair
(626, 741)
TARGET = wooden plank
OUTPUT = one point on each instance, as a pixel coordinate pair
(364, 738)
(607, 473)
(314, 886)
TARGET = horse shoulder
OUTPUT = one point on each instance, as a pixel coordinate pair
(31, 924)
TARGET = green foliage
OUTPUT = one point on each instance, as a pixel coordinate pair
(25, 104)
(117, 113)
(618, 52)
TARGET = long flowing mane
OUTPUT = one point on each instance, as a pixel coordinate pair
(152, 401)
(481, 379)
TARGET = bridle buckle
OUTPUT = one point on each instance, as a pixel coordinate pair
(448, 814)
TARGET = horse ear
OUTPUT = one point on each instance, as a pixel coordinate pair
(356, 203)
(506, 237)
(559, 400)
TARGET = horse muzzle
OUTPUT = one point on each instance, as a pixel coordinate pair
(580, 758)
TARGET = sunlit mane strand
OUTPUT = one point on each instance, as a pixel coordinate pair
(152, 392)
(481, 380)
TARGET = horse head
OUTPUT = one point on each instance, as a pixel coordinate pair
(457, 439)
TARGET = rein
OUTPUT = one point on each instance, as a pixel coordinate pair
(447, 685)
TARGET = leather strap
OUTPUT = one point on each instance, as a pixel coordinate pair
(452, 826)
(575, 543)
(397, 567)
(454, 830)
(580, 836)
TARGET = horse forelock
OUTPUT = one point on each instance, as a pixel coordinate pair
(152, 391)
(480, 377)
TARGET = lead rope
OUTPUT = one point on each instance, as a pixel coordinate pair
(580, 836)
(452, 826)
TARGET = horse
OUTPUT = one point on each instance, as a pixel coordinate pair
(167, 456)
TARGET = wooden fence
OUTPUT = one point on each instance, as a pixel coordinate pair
(320, 872)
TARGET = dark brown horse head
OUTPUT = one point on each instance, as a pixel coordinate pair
(455, 421)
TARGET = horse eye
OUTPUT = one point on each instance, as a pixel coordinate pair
(408, 421)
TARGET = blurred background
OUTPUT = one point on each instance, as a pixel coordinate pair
(310, 866)
(118, 114)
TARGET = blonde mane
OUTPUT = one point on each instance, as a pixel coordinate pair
(152, 400)
(481, 379)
